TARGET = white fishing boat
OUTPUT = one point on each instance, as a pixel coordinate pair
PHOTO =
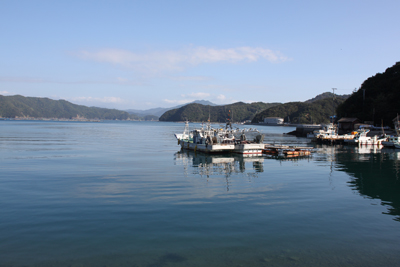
(329, 130)
(210, 140)
(185, 135)
(361, 138)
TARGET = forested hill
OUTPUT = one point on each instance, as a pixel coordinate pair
(377, 100)
(328, 95)
(311, 111)
(196, 112)
(34, 107)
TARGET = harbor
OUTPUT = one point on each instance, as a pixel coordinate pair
(250, 142)
(228, 140)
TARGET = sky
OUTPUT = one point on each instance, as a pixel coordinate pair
(149, 54)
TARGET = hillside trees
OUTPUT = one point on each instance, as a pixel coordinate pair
(377, 100)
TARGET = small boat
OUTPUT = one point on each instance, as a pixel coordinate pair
(391, 141)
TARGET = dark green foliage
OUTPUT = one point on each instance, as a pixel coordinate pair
(237, 112)
(34, 107)
(150, 118)
(316, 111)
(326, 95)
(382, 98)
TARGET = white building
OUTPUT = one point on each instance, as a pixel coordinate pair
(273, 120)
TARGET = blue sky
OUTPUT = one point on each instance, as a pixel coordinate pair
(147, 54)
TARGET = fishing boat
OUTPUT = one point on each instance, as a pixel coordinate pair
(361, 138)
(328, 131)
(210, 140)
(185, 135)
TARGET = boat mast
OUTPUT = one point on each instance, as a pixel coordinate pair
(333, 105)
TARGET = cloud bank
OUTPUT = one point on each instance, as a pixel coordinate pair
(179, 60)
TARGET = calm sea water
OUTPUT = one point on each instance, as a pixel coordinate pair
(123, 194)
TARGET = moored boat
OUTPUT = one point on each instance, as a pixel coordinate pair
(210, 140)
(361, 138)
(391, 141)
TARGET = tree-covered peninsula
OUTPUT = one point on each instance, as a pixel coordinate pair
(316, 110)
(34, 107)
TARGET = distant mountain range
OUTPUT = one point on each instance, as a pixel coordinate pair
(200, 110)
(18, 106)
(197, 112)
(159, 111)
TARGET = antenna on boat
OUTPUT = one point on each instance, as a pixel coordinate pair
(228, 121)
(333, 102)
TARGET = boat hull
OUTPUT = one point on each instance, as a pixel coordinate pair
(249, 148)
(224, 148)
(214, 148)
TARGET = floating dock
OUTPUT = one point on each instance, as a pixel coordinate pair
(293, 151)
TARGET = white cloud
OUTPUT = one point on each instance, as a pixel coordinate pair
(196, 95)
(178, 60)
(114, 100)
(205, 55)
(221, 97)
(4, 93)
(181, 101)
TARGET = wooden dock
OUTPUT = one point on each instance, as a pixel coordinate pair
(287, 150)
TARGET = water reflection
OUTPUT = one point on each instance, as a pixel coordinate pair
(374, 174)
(225, 164)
